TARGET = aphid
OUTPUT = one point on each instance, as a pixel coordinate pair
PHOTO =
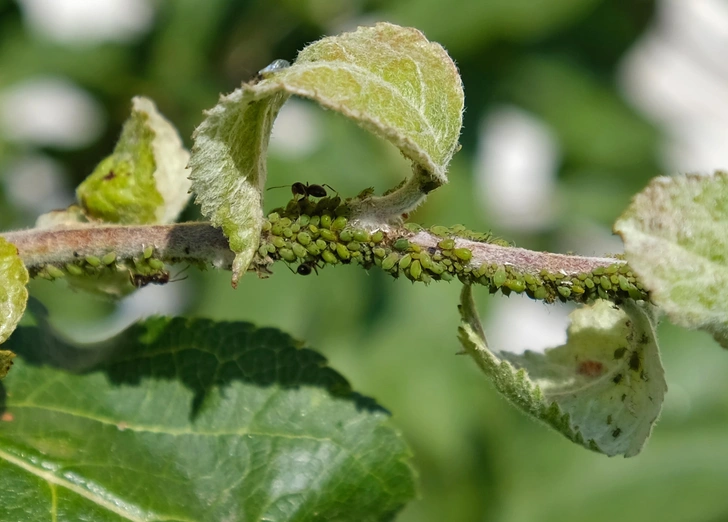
(274, 66)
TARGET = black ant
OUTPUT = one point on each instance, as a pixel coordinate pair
(305, 268)
(307, 190)
(160, 278)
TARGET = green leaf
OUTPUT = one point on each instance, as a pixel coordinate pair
(603, 389)
(13, 293)
(388, 79)
(674, 235)
(185, 420)
(144, 180)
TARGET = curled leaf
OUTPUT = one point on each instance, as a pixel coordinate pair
(603, 389)
(674, 235)
(145, 179)
(390, 80)
(13, 293)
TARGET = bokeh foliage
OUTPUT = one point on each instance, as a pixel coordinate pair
(478, 458)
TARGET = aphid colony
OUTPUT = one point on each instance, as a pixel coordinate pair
(309, 235)
(139, 272)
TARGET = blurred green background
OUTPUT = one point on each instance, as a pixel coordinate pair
(545, 87)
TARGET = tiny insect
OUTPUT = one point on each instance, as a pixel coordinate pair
(307, 190)
(274, 66)
(160, 278)
(306, 267)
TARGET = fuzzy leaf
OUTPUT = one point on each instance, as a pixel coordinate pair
(388, 79)
(145, 179)
(183, 420)
(603, 389)
(13, 293)
(675, 239)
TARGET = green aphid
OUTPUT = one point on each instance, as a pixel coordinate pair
(93, 261)
(447, 262)
(634, 293)
(299, 250)
(156, 264)
(529, 279)
(589, 283)
(439, 230)
(578, 290)
(500, 277)
(415, 270)
(602, 293)
(321, 244)
(278, 242)
(262, 250)
(303, 238)
(314, 221)
(109, 258)
(425, 260)
(313, 249)
(457, 229)
(265, 227)
(447, 244)
(295, 228)
(582, 276)
(611, 269)
(405, 261)
(276, 229)
(313, 229)
(401, 244)
(346, 236)
(598, 271)
(303, 221)
(619, 352)
(270, 248)
(605, 283)
(287, 254)
(414, 247)
(339, 223)
(287, 232)
(463, 254)
(285, 222)
(329, 257)
(413, 227)
(446, 276)
(328, 235)
(515, 285)
(361, 235)
(390, 261)
(148, 251)
(274, 217)
(426, 278)
(565, 291)
(377, 237)
(624, 269)
(353, 246)
(436, 268)
(342, 252)
(54, 272)
(326, 221)
(379, 252)
(540, 293)
(74, 269)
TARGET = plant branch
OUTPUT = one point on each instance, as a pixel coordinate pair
(405, 250)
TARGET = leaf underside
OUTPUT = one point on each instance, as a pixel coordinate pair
(675, 239)
(13, 293)
(388, 79)
(603, 389)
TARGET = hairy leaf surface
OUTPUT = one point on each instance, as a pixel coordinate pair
(388, 79)
(675, 238)
(603, 389)
(13, 293)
